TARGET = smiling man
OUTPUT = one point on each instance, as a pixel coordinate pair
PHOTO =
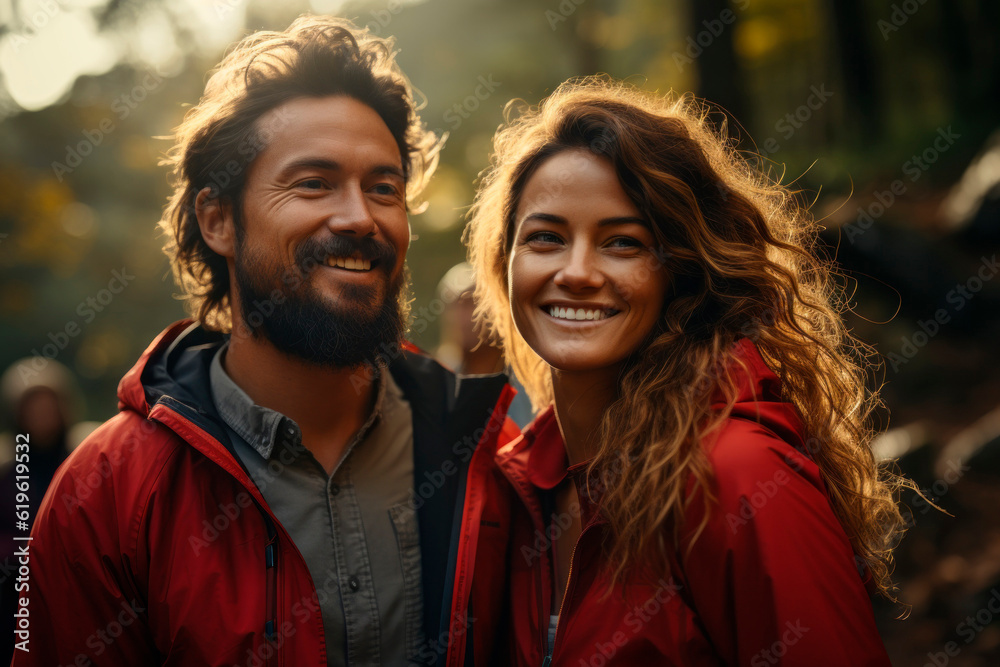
(287, 481)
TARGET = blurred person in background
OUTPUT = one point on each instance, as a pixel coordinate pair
(462, 348)
(39, 400)
(286, 480)
(699, 487)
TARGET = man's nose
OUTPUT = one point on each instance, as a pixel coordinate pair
(352, 213)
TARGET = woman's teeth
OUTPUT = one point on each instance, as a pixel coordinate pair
(576, 313)
(350, 263)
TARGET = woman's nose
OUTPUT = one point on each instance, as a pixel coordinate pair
(581, 271)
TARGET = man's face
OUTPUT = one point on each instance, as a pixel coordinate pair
(319, 260)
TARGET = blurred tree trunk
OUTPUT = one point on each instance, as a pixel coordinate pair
(968, 44)
(720, 81)
(986, 57)
(859, 70)
(957, 43)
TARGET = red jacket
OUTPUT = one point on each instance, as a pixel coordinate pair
(771, 581)
(153, 546)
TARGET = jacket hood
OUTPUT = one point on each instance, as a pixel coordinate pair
(758, 396)
(181, 353)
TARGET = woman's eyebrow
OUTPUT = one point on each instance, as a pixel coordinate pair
(605, 222)
(623, 220)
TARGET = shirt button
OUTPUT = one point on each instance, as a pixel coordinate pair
(334, 489)
(354, 584)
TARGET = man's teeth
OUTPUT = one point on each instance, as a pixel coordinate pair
(351, 263)
(576, 313)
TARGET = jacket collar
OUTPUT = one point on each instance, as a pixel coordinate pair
(547, 459)
(537, 460)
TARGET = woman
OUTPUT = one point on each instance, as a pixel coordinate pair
(698, 489)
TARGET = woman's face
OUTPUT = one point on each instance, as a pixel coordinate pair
(586, 287)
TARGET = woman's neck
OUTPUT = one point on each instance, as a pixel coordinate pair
(581, 399)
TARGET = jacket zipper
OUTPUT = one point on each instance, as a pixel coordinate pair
(569, 580)
(542, 616)
(271, 598)
(270, 548)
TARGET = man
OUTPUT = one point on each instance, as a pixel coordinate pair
(286, 483)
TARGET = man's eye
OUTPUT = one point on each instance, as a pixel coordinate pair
(387, 189)
(312, 184)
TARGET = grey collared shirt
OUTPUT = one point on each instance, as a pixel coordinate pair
(356, 528)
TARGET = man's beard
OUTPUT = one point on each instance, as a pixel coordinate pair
(287, 310)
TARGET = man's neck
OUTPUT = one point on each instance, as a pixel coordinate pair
(329, 405)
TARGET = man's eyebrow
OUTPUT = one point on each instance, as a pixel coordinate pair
(605, 222)
(332, 165)
(310, 163)
(390, 170)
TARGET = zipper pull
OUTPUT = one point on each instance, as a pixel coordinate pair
(547, 661)
(270, 626)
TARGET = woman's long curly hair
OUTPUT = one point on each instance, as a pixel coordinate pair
(740, 253)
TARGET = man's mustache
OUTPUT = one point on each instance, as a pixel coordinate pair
(314, 252)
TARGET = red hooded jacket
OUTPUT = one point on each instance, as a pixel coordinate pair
(771, 581)
(153, 546)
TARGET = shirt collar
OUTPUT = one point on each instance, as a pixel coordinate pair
(262, 427)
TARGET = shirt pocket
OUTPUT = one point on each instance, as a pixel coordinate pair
(404, 522)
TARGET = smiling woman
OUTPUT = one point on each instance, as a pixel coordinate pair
(703, 442)
(585, 282)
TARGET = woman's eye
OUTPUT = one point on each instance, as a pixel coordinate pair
(625, 242)
(543, 237)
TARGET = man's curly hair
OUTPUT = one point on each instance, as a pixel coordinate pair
(220, 137)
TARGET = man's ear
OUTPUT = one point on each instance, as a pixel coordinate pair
(215, 218)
